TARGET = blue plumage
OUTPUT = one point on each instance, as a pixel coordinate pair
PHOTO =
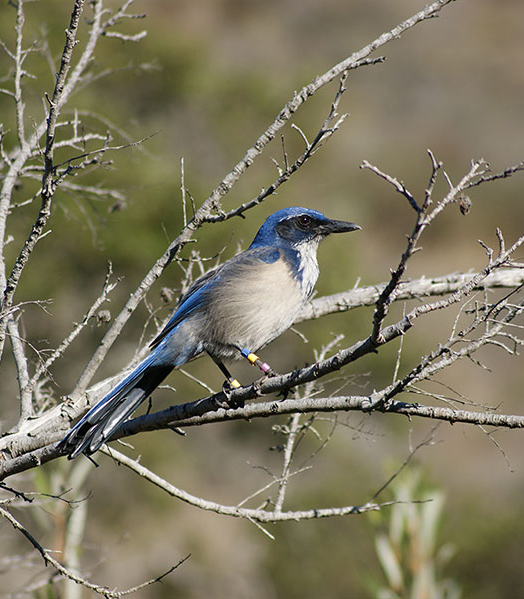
(229, 312)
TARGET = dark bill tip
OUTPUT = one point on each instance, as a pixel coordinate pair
(340, 226)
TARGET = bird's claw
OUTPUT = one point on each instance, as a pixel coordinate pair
(283, 393)
(227, 388)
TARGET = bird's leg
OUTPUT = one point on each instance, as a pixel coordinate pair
(230, 382)
(254, 360)
(149, 405)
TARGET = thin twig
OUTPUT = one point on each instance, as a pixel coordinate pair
(49, 560)
(255, 515)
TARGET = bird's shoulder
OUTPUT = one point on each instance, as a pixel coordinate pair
(249, 257)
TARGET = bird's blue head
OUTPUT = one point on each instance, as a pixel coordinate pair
(296, 226)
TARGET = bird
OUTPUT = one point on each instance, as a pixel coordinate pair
(230, 312)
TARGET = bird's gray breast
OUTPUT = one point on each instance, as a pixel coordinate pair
(253, 304)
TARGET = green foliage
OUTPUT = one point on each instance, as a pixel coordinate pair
(407, 545)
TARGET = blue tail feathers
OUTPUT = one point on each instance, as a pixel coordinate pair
(103, 419)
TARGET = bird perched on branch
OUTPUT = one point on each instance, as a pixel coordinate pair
(230, 312)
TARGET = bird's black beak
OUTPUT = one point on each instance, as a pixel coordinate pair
(337, 226)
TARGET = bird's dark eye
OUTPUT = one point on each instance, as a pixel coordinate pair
(304, 221)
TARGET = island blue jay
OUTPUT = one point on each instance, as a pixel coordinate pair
(230, 312)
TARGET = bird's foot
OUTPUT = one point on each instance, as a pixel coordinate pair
(230, 384)
(270, 373)
(227, 388)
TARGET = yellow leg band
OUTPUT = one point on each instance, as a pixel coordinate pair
(252, 358)
(234, 383)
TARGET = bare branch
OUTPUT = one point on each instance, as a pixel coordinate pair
(416, 289)
(48, 186)
(398, 185)
(59, 351)
(507, 172)
(26, 408)
(18, 58)
(204, 213)
(255, 515)
(194, 414)
(293, 429)
(352, 62)
(49, 560)
(48, 426)
(326, 130)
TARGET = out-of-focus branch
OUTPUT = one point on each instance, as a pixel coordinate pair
(48, 186)
(49, 560)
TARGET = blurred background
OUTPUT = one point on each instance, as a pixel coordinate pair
(208, 79)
